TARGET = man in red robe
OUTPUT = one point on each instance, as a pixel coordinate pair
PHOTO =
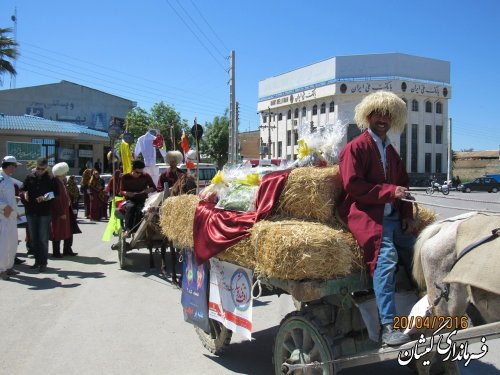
(374, 180)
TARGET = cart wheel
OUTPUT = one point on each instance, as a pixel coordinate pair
(300, 341)
(218, 338)
(445, 190)
(122, 251)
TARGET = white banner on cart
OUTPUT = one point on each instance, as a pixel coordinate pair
(230, 299)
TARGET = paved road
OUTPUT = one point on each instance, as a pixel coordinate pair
(87, 316)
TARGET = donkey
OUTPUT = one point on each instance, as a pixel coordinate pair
(459, 286)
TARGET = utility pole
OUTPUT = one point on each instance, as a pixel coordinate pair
(269, 127)
(233, 123)
(448, 174)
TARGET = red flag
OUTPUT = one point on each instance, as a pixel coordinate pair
(184, 143)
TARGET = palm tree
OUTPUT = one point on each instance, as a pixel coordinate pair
(8, 51)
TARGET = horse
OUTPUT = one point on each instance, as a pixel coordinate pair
(186, 184)
(456, 261)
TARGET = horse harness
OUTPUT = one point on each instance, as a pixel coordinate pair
(445, 289)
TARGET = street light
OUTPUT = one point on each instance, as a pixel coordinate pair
(269, 127)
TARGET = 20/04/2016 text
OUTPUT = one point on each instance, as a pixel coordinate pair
(431, 322)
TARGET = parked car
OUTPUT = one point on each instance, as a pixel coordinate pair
(206, 171)
(480, 184)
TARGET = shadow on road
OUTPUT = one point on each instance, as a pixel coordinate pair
(250, 357)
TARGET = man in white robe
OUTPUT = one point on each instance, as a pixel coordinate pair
(8, 218)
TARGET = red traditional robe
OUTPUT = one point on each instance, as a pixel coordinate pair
(60, 229)
(367, 190)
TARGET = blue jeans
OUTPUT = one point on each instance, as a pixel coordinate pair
(38, 228)
(394, 243)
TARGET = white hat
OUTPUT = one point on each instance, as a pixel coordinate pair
(60, 169)
(10, 159)
(384, 101)
(173, 156)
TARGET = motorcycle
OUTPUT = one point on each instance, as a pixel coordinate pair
(436, 186)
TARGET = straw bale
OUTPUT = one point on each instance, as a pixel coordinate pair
(298, 250)
(242, 253)
(176, 219)
(310, 193)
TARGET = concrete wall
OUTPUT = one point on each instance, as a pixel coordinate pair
(470, 169)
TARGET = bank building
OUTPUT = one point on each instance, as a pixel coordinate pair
(329, 90)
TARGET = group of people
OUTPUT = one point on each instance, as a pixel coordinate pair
(374, 181)
(49, 214)
(95, 197)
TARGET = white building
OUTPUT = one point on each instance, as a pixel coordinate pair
(329, 90)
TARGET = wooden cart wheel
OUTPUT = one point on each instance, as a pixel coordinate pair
(122, 250)
(218, 339)
(300, 341)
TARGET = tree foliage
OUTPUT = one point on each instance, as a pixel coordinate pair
(161, 117)
(8, 53)
(215, 141)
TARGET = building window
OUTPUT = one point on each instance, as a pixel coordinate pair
(315, 110)
(439, 107)
(85, 153)
(288, 137)
(403, 146)
(414, 105)
(296, 113)
(352, 132)
(48, 148)
(439, 134)
(296, 133)
(323, 108)
(289, 114)
(428, 107)
(332, 106)
(414, 148)
(428, 134)
(428, 162)
(439, 161)
(280, 148)
(303, 111)
(264, 119)
(280, 116)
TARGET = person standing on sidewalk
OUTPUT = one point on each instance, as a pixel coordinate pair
(61, 228)
(8, 218)
(40, 188)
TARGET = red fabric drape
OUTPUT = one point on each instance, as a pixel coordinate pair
(214, 230)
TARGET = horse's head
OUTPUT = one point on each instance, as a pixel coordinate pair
(186, 184)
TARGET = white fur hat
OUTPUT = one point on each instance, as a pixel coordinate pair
(383, 101)
(60, 169)
(173, 156)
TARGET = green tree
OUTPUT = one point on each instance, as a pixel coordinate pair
(8, 51)
(168, 122)
(215, 141)
(137, 122)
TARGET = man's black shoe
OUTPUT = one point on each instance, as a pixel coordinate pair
(34, 266)
(393, 337)
(19, 261)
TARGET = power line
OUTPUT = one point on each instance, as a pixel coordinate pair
(213, 31)
(196, 36)
(200, 30)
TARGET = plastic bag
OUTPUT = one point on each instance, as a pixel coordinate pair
(239, 197)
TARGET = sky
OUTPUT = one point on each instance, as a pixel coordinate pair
(176, 51)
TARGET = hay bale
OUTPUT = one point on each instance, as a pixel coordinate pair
(310, 193)
(242, 253)
(298, 250)
(176, 219)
